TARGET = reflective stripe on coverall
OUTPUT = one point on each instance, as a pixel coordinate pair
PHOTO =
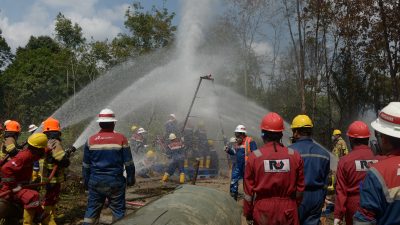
(271, 181)
(380, 193)
(105, 156)
(351, 171)
(241, 152)
(316, 171)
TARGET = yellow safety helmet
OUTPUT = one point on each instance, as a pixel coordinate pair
(210, 142)
(38, 140)
(150, 154)
(301, 121)
(133, 128)
(336, 132)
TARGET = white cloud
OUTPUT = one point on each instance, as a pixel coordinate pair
(96, 22)
(262, 48)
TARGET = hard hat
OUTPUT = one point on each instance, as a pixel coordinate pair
(141, 130)
(388, 121)
(38, 140)
(172, 115)
(133, 128)
(272, 122)
(51, 124)
(7, 121)
(232, 140)
(150, 154)
(172, 136)
(336, 132)
(358, 129)
(13, 126)
(32, 128)
(210, 142)
(106, 115)
(301, 121)
(240, 129)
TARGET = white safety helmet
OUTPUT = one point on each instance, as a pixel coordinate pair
(172, 136)
(240, 129)
(106, 115)
(141, 130)
(388, 121)
(32, 128)
(6, 122)
(232, 140)
(172, 116)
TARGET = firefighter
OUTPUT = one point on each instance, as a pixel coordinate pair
(149, 165)
(339, 145)
(106, 155)
(201, 143)
(351, 171)
(274, 179)
(316, 170)
(379, 192)
(10, 146)
(171, 126)
(176, 155)
(243, 147)
(55, 159)
(139, 143)
(17, 172)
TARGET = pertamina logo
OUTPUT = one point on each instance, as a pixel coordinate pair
(364, 165)
(277, 166)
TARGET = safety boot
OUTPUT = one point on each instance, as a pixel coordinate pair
(50, 210)
(234, 195)
(208, 162)
(182, 178)
(29, 215)
(165, 177)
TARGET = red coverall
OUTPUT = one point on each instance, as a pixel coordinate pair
(351, 171)
(273, 176)
(18, 171)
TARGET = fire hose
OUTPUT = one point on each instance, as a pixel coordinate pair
(53, 172)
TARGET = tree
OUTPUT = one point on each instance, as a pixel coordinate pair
(148, 31)
(6, 56)
(70, 36)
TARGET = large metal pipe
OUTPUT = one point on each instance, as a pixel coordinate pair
(188, 205)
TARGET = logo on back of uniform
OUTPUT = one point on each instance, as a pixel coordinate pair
(364, 165)
(277, 166)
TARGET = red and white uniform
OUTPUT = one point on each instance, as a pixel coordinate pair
(18, 171)
(271, 181)
(351, 171)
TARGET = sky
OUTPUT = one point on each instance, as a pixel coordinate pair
(99, 19)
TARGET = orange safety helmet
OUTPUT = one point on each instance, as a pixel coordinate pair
(13, 126)
(272, 122)
(358, 129)
(51, 124)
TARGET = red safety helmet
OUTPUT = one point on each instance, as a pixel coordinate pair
(272, 122)
(13, 126)
(358, 129)
(51, 124)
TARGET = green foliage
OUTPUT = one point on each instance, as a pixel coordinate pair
(34, 85)
(69, 35)
(5, 53)
(150, 30)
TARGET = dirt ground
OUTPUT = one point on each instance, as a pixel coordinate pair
(73, 201)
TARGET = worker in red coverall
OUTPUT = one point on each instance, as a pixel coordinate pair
(273, 179)
(351, 171)
(17, 172)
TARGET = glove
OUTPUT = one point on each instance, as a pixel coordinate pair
(337, 221)
(249, 222)
(131, 182)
